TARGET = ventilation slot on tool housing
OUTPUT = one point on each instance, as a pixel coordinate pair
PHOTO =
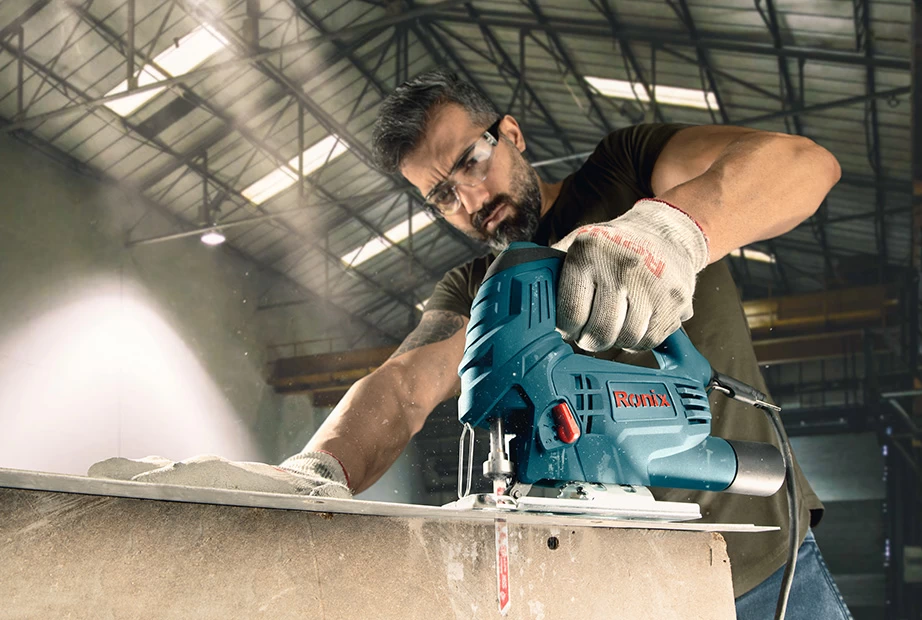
(695, 401)
(588, 397)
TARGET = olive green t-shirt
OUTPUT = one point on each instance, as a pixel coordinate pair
(614, 177)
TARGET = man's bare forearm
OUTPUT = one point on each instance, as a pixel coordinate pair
(368, 429)
(375, 420)
(759, 186)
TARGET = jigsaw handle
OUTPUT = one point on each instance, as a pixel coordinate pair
(675, 353)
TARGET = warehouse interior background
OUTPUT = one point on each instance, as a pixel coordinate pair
(206, 263)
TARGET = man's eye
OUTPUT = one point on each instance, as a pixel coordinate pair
(443, 195)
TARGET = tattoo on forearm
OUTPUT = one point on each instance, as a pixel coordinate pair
(435, 326)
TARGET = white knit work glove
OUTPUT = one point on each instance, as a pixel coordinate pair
(307, 473)
(628, 283)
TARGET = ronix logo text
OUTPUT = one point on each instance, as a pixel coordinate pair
(628, 399)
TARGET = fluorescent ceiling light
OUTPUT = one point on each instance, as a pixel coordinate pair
(688, 97)
(421, 306)
(213, 237)
(755, 255)
(393, 236)
(178, 59)
(284, 177)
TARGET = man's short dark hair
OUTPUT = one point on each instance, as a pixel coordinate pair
(405, 113)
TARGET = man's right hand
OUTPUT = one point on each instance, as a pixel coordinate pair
(318, 474)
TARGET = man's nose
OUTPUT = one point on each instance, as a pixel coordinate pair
(472, 198)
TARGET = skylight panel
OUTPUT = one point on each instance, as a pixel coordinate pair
(126, 105)
(276, 181)
(364, 252)
(421, 306)
(187, 54)
(191, 51)
(401, 231)
(671, 95)
(391, 237)
(327, 149)
(284, 177)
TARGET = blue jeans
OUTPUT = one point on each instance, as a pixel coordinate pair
(814, 595)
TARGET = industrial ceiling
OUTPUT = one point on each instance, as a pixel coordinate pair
(225, 95)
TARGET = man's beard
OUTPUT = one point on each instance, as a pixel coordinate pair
(525, 213)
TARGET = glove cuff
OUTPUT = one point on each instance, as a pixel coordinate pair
(320, 463)
(674, 224)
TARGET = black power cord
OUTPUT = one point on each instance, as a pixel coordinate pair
(793, 513)
(737, 390)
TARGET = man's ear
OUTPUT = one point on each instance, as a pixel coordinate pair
(509, 127)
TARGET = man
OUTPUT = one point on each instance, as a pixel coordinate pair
(628, 281)
(717, 189)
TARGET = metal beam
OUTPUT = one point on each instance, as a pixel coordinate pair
(790, 102)
(631, 63)
(249, 221)
(509, 65)
(346, 34)
(816, 347)
(828, 105)
(788, 94)
(916, 135)
(20, 72)
(13, 27)
(704, 63)
(724, 74)
(708, 41)
(132, 81)
(865, 45)
(570, 65)
(915, 258)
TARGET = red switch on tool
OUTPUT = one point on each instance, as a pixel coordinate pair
(565, 424)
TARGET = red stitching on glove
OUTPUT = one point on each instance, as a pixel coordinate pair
(345, 473)
(683, 212)
(655, 265)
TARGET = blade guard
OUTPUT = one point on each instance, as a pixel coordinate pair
(627, 424)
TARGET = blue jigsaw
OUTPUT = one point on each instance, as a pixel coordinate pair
(568, 421)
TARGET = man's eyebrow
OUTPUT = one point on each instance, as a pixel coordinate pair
(457, 164)
(435, 187)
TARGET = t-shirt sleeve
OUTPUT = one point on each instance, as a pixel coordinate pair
(455, 291)
(630, 153)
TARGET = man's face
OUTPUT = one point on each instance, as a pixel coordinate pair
(506, 206)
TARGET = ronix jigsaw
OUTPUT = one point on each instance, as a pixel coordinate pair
(597, 431)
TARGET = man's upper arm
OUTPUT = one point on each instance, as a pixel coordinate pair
(430, 355)
(690, 152)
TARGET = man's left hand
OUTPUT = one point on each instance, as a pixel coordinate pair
(628, 283)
